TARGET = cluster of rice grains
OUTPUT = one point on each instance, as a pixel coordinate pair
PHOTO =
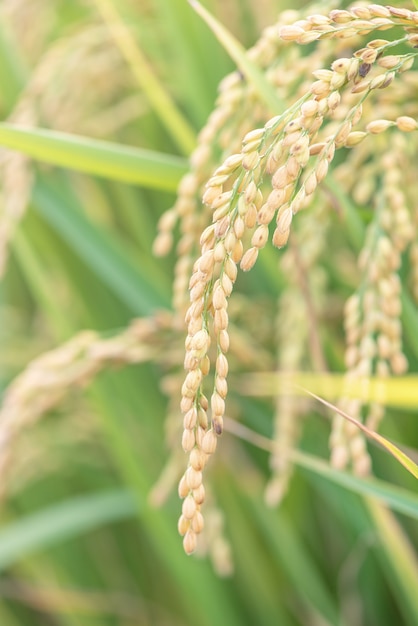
(372, 314)
(268, 177)
(48, 379)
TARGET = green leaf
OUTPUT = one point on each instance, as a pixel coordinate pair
(400, 456)
(410, 322)
(100, 253)
(399, 559)
(196, 74)
(396, 498)
(286, 545)
(157, 95)
(401, 391)
(238, 53)
(63, 521)
(92, 156)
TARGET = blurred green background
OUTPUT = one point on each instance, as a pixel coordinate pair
(80, 545)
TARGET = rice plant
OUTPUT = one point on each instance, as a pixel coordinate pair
(209, 257)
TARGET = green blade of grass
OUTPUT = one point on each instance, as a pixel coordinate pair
(283, 541)
(33, 270)
(255, 571)
(200, 72)
(399, 559)
(368, 518)
(295, 560)
(238, 54)
(401, 391)
(397, 454)
(92, 156)
(161, 101)
(12, 69)
(410, 321)
(63, 521)
(98, 251)
(396, 498)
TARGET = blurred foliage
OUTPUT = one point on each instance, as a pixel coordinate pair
(80, 542)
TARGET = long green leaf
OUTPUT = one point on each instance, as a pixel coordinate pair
(32, 268)
(396, 498)
(410, 321)
(287, 547)
(400, 456)
(259, 586)
(92, 156)
(102, 254)
(399, 559)
(238, 54)
(190, 40)
(284, 543)
(63, 521)
(176, 124)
